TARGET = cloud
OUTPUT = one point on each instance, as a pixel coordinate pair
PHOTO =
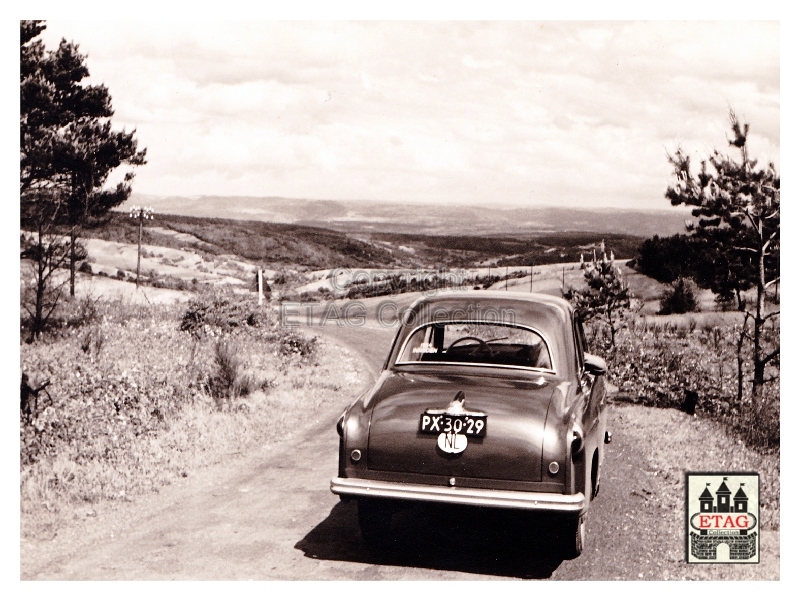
(519, 112)
(470, 62)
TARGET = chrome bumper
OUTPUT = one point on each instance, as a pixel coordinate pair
(346, 486)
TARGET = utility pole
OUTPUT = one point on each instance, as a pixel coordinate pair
(142, 213)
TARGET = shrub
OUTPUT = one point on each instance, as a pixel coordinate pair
(680, 298)
(93, 341)
(294, 343)
(75, 312)
(170, 282)
(103, 401)
(230, 381)
(664, 364)
(218, 312)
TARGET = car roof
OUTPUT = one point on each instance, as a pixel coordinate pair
(521, 300)
(549, 315)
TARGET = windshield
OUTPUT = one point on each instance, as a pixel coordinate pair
(477, 343)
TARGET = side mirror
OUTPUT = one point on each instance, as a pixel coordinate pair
(594, 365)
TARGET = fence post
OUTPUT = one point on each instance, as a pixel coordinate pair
(260, 288)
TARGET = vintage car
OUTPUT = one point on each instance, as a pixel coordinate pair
(487, 399)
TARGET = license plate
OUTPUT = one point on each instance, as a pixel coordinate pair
(471, 425)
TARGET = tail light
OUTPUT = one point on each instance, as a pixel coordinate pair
(577, 439)
(340, 425)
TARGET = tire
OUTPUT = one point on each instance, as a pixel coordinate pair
(375, 522)
(574, 537)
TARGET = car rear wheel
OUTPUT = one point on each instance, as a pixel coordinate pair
(574, 537)
(375, 521)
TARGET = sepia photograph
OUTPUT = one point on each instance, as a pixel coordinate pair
(380, 300)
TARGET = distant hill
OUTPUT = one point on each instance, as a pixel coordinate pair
(364, 217)
(278, 245)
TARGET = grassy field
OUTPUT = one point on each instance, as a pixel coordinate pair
(134, 402)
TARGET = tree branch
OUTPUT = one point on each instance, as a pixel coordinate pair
(767, 243)
(770, 356)
(753, 222)
(53, 307)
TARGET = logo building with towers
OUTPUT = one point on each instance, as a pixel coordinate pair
(722, 517)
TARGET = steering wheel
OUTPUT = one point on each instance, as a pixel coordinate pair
(469, 337)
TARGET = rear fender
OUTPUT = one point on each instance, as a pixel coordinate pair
(565, 411)
(578, 472)
(355, 436)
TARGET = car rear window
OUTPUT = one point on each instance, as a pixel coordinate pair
(477, 343)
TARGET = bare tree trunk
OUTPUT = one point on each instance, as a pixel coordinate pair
(758, 325)
(72, 237)
(38, 319)
(139, 254)
(740, 361)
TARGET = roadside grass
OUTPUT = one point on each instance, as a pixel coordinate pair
(131, 408)
(675, 443)
(689, 362)
(691, 321)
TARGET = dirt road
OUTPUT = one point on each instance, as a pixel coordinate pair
(270, 515)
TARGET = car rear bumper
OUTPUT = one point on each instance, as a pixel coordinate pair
(539, 501)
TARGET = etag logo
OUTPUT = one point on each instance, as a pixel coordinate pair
(722, 517)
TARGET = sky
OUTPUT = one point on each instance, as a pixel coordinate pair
(500, 113)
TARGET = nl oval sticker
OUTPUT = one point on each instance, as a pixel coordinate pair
(452, 443)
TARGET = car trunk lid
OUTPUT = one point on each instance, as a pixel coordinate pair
(515, 406)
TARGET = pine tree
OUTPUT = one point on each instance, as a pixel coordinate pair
(743, 200)
(607, 294)
(67, 151)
